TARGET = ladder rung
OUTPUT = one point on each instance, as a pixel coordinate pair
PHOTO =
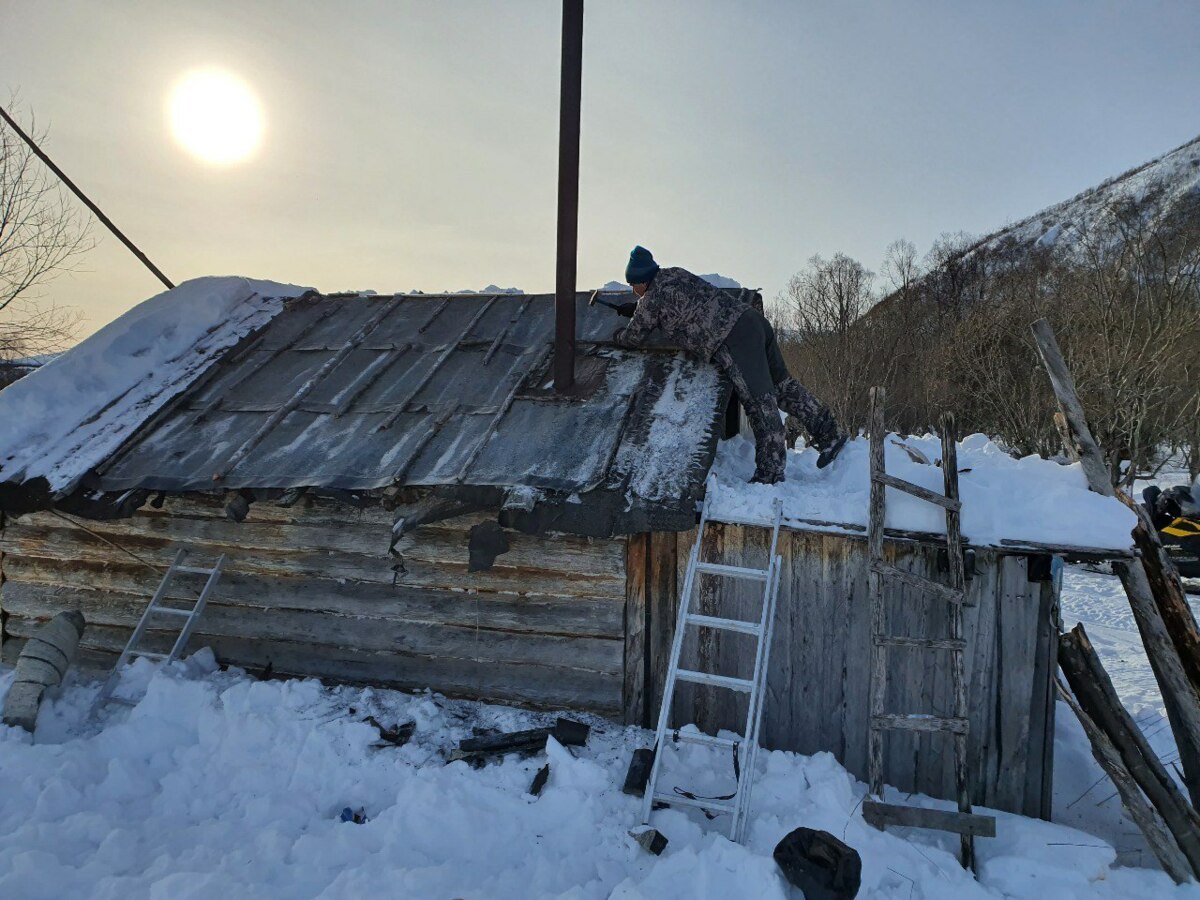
(890, 640)
(172, 611)
(917, 491)
(147, 654)
(674, 799)
(881, 814)
(699, 737)
(943, 591)
(724, 624)
(731, 571)
(722, 681)
(920, 722)
(193, 570)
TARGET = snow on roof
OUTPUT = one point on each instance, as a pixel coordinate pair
(70, 414)
(1030, 501)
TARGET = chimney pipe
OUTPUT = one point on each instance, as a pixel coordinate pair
(568, 195)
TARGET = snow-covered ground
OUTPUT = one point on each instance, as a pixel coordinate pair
(220, 785)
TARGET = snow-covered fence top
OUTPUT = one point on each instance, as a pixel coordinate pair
(70, 414)
(1005, 501)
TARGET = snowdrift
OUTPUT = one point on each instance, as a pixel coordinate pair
(1029, 500)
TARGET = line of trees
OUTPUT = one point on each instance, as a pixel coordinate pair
(950, 331)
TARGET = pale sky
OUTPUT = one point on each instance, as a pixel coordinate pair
(413, 145)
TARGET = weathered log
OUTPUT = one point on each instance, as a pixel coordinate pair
(43, 663)
(566, 731)
(1095, 693)
(1179, 690)
(1142, 813)
(1168, 590)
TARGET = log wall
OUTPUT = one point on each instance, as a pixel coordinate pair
(311, 590)
(817, 696)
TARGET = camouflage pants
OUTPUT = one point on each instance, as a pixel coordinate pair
(751, 359)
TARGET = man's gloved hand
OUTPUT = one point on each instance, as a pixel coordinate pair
(618, 334)
(626, 309)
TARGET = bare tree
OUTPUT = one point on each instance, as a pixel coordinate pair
(41, 236)
(824, 309)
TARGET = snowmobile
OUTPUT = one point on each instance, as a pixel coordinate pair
(1176, 516)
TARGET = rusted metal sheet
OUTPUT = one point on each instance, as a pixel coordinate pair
(360, 393)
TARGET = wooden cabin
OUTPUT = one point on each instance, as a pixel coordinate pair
(403, 502)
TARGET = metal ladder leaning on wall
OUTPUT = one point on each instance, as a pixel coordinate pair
(876, 812)
(745, 749)
(156, 608)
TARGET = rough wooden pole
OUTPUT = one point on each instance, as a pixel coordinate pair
(1142, 813)
(958, 581)
(876, 523)
(1178, 690)
(1095, 693)
(1064, 433)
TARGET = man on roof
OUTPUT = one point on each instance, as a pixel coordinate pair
(721, 327)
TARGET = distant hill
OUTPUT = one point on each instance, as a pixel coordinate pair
(1161, 192)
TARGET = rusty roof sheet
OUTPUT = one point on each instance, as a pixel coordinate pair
(362, 392)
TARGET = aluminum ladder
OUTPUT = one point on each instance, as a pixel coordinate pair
(156, 607)
(745, 749)
(963, 822)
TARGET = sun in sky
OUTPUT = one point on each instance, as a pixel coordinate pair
(215, 116)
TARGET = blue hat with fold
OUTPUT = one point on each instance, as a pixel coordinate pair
(641, 266)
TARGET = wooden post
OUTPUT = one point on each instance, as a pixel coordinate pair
(1142, 813)
(958, 582)
(1064, 433)
(1096, 696)
(875, 520)
(1179, 691)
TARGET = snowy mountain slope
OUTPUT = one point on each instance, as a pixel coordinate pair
(1160, 191)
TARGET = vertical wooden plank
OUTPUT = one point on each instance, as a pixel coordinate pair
(906, 609)
(855, 677)
(934, 751)
(808, 585)
(780, 708)
(1040, 765)
(982, 691)
(1018, 649)
(835, 606)
(662, 599)
(635, 709)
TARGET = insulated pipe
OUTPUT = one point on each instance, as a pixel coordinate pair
(568, 195)
(42, 665)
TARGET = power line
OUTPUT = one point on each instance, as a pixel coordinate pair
(84, 197)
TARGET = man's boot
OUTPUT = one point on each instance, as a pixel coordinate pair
(826, 437)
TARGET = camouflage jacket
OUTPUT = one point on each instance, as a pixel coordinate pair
(688, 311)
